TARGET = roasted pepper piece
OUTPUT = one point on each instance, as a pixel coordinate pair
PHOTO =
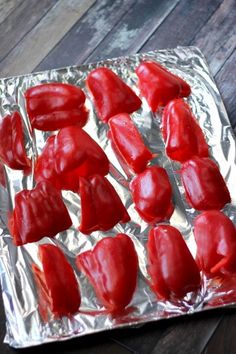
(128, 142)
(112, 269)
(215, 236)
(110, 94)
(67, 156)
(151, 192)
(204, 186)
(101, 207)
(182, 135)
(158, 85)
(55, 105)
(38, 213)
(56, 283)
(12, 149)
(171, 266)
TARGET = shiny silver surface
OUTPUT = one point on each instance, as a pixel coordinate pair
(24, 325)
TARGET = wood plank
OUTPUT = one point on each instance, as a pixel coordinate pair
(86, 34)
(44, 36)
(134, 29)
(189, 335)
(225, 80)
(21, 21)
(223, 340)
(182, 24)
(217, 38)
(6, 7)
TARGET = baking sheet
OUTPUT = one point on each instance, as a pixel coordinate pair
(23, 322)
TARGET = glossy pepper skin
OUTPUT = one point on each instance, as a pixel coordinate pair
(56, 283)
(112, 269)
(12, 149)
(70, 154)
(204, 185)
(182, 135)
(215, 236)
(158, 85)
(110, 94)
(54, 105)
(38, 213)
(152, 192)
(128, 142)
(171, 266)
(101, 207)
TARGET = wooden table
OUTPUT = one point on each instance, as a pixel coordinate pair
(37, 35)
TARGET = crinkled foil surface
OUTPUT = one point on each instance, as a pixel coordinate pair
(23, 322)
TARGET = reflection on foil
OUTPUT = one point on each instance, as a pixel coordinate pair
(23, 322)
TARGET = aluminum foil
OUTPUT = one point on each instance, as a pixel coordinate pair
(23, 322)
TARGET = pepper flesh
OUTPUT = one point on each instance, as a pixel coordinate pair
(110, 94)
(158, 85)
(12, 149)
(101, 207)
(151, 192)
(56, 283)
(215, 237)
(112, 269)
(128, 142)
(182, 135)
(70, 154)
(171, 266)
(38, 213)
(54, 105)
(204, 186)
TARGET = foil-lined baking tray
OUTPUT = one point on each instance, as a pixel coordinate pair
(23, 322)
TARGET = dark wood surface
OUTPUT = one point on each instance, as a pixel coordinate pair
(44, 34)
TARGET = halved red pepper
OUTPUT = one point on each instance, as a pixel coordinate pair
(112, 269)
(182, 135)
(152, 192)
(70, 154)
(171, 266)
(110, 94)
(101, 206)
(204, 185)
(58, 289)
(215, 235)
(158, 85)
(55, 105)
(128, 142)
(12, 149)
(38, 213)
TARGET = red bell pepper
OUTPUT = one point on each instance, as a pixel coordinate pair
(101, 207)
(2, 175)
(158, 85)
(110, 94)
(12, 149)
(57, 286)
(128, 142)
(215, 236)
(151, 192)
(204, 186)
(70, 154)
(38, 213)
(182, 135)
(171, 266)
(112, 269)
(55, 105)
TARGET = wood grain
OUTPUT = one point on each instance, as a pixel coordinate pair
(182, 24)
(44, 36)
(133, 30)
(217, 38)
(6, 7)
(26, 16)
(86, 34)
